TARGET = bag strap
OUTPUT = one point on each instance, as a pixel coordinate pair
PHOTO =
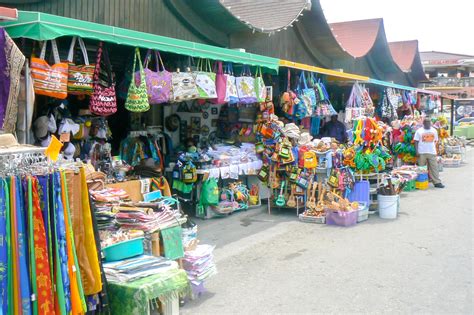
(70, 56)
(97, 63)
(288, 78)
(54, 48)
(158, 59)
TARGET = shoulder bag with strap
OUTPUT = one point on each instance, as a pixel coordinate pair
(221, 84)
(231, 95)
(205, 80)
(103, 100)
(80, 77)
(137, 97)
(49, 80)
(260, 90)
(159, 83)
(246, 86)
(184, 86)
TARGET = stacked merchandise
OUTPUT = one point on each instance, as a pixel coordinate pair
(139, 267)
(199, 265)
(452, 151)
(402, 139)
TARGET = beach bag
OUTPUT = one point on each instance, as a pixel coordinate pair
(158, 84)
(80, 77)
(221, 84)
(205, 80)
(209, 192)
(49, 80)
(103, 100)
(184, 86)
(308, 95)
(246, 86)
(137, 98)
(231, 95)
(260, 90)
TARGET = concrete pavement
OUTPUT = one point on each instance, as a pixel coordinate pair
(420, 263)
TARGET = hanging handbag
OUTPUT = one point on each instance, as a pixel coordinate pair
(80, 77)
(221, 84)
(103, 100)
(184, 86)
(246, 86)
(260, 90)
(308, 95)
(231, 95)
(205, 80)
(49, 80)
(159, 83)
(137, 98)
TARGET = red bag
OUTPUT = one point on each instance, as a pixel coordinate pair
(221, 85)
(103, 100)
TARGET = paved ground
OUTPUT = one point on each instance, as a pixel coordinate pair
(420, 263)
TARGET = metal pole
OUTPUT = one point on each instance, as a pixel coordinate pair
(451, 131)
(28, 100)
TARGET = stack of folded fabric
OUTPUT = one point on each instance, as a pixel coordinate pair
(145, 219)
(291, 131)
(137, 267)
(104, 216)
(109, 195)
(199, 264)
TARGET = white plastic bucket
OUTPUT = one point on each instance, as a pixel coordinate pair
(388, 206)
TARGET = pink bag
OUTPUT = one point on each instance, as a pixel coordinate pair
(221, 84)
(103, 100)
(159, 83)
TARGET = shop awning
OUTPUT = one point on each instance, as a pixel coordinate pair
(390, 84)
(42, 26)
(328, 72)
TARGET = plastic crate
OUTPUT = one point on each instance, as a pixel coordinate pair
(123, 250)
(453, 149)
(449, 162)
(363, 212)
(410, 186)
(312, 219)
(342, 218)
(422, 185)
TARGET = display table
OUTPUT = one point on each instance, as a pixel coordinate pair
(135, 297)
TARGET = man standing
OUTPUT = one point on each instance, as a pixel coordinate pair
(335, 129)
(425, 144)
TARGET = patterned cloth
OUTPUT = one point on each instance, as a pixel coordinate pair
(4, 250)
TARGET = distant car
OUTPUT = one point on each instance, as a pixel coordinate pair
(465, 121)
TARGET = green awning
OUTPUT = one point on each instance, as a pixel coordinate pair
(390, 84)
(42, 26)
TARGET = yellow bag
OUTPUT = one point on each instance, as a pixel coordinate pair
(310, 160)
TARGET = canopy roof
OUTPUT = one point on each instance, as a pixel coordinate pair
(407, 57)
(42, 26)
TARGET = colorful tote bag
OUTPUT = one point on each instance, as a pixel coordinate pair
(260, 89)
(137, 98)
(158, 84)
(103, 100)
(184, 86)
(49, 80)
(246, 86)
(205, 80)
(221, 83)
(80, 78)
(231, 95)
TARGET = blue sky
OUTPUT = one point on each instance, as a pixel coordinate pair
(437, 24)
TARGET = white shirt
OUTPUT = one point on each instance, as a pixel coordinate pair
(427, 139)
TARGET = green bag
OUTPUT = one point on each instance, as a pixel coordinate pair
(205, 80)
(209, 193)
(137, 97)
(260, 89)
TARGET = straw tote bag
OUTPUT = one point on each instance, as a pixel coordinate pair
(158, 84)
(103, 100)
(81, 77)
(49, 80)
(137, 98)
